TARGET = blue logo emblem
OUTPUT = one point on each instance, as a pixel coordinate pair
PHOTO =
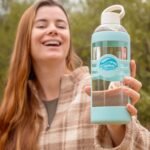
(108, 63)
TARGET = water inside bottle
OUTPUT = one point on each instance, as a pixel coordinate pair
(105, 92)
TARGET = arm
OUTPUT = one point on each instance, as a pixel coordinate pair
(117, 132)
(136, 137)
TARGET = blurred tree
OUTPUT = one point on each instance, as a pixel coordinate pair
(8, 25)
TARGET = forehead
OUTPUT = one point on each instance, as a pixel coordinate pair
(50, 12)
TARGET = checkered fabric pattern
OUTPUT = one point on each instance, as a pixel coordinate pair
(71, 128)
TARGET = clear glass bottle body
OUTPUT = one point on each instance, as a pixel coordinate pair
(109, 65)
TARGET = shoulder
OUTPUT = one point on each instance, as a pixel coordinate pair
(81, 74)
(76, 80)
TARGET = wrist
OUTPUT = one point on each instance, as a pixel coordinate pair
(117, 133)
(115, 127)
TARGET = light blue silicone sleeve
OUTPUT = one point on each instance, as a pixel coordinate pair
(110, 114)
(123, 66)
(117, 74)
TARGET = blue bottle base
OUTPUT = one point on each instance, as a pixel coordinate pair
(110, 115)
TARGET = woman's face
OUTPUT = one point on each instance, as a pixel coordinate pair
(50, 38)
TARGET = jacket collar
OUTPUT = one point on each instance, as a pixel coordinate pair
(67, 81)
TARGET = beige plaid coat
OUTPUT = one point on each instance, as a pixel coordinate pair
(71, 128)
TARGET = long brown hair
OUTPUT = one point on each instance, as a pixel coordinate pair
(20, 121)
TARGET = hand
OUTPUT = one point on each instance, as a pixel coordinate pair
(134, 87)
(118, 131)
(131, 89)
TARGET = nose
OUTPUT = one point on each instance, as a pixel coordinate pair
(52, 30)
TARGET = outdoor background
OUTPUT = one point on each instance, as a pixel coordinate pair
(84, 16)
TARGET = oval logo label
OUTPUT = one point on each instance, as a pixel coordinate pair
(108, 63)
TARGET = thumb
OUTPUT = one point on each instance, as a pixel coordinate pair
(87, 89)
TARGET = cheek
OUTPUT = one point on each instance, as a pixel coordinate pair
(33, 38)
(67, 46)
(36, 36)
(68, 41)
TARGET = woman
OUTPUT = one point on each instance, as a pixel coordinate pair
(45, 105)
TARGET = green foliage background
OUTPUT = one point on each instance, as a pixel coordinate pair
(84, 17)
(137, 23)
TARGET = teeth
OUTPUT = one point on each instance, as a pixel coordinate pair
(52, 43)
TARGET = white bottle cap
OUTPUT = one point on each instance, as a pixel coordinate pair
(110, 17)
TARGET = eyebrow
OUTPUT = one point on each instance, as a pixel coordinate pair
(45, 20)
(40, 20)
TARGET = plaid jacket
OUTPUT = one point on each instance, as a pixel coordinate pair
(71, 128)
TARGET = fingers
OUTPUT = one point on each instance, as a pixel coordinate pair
(133, 68)
(134, 96)
(132, 110)
(132, 83)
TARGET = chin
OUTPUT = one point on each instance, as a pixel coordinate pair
(55, 57)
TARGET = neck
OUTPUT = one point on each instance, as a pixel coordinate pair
(48, 80)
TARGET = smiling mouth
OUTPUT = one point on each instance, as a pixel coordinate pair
(52, 43)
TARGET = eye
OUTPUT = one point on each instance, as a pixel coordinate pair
(40, 25)
(61, 26)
